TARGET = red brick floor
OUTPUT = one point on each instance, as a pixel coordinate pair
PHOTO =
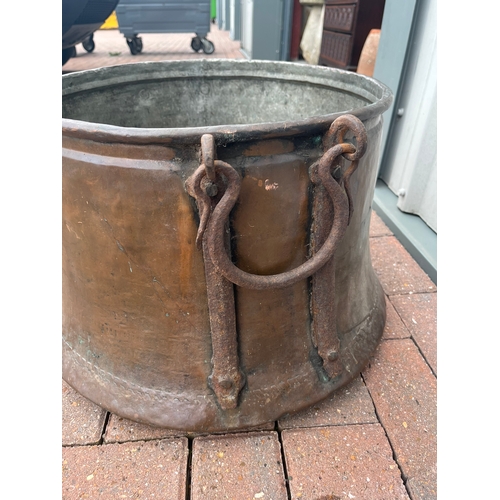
(374, 439)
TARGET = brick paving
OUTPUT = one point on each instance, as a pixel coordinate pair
(374, 439)
(241, 465)
(349, 461)
(403, 390)
(144, 469)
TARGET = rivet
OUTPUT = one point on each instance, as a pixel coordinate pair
(226, 384)
(333, 355)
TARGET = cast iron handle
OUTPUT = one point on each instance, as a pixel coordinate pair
(213, 220)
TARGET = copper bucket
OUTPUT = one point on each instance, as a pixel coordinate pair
(216, 267)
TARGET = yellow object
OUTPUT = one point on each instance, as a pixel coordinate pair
(110, 23)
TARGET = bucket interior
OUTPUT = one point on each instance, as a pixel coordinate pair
(187, 96)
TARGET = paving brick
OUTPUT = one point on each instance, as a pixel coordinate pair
(394, 326)
(153, 469)
(350, 405)
(378, 227)
(419, 313)
(421, 489)
(82, 420)
(342, 462)
(397, 271)
(238, 467)
(120, 430)
(403, 390)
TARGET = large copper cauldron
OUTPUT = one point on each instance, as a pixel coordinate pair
(216, 268)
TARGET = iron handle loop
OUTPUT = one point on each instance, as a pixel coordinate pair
(194, 189)
(337, 131)
(213, 218)
(336, 135)
(216, 222)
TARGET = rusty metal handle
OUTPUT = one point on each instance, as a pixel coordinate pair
(214, 177)
(213, 219)
(215, 228)
(336, 135)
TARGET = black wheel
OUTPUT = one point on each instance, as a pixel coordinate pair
(132, 46)
(208, 46)
(89, 44)
(196, 43)
(67, 54)
(138, 44)
(135, 45)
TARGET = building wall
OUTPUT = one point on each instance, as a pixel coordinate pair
(409, 162)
